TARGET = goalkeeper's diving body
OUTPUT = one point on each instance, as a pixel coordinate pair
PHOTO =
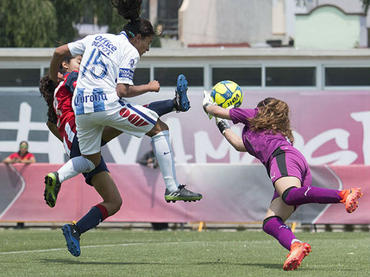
(267, 135)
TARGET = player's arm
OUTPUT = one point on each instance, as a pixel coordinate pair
(59, 53)
(217, 111)
(53, 128)
(126, 91)
(212, 109)
(125, 75)
(235, 140)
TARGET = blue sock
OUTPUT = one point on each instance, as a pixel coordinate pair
(90, 220)
(162, 107)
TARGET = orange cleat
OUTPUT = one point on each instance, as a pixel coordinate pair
(298, 251)
(350, 198)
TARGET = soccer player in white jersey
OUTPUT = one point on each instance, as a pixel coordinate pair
(105, 80)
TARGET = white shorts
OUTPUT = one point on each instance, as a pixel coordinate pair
(129, 118)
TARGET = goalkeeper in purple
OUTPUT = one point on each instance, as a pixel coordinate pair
(268, 137)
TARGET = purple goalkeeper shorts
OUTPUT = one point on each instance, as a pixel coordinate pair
(288, 161)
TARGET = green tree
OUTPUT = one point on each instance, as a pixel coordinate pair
(50, 23)
(68, 12)
(27, 23)
(71, 12)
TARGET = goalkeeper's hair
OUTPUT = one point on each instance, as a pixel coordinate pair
(130, 10)
(272, 116)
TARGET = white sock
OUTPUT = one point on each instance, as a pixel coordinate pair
(294, 240)
(74, 167)
(163, 152)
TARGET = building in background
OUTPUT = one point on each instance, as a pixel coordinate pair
(297, 71)
(331, 24)
(304, 24)
(312, 24)
(222, 22)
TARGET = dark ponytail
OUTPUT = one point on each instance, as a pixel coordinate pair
(130, 10)
(47, 87)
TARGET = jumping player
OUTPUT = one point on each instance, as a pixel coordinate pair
(265, 133)
(61, 121)
(105, 80)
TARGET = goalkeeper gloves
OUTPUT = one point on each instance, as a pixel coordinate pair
(207, 100)
(222, 125)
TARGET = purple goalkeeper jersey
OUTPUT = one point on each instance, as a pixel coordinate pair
(259, 144)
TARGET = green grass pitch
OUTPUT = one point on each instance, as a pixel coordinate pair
(113, 252)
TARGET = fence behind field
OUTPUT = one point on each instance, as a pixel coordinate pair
(232, 193)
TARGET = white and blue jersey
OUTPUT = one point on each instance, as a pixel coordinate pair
(107, 60)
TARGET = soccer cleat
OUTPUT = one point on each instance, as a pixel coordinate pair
(298, 251)
(350, 198)
(72, 237)
(182, 194)
(181, 99)
(52, 187)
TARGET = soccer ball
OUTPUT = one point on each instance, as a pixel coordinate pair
(226, 94)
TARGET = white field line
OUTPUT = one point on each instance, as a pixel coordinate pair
(125, 244)
(83, 247)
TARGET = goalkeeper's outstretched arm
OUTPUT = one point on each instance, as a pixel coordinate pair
(217, 111)
(235, 140)
(221, 114)
(212, 109)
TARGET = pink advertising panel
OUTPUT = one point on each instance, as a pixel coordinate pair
(330, 127)
(232, 193)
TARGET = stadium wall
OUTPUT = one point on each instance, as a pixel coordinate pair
(232, 193)
(332, 127)
(329, 128)
(213, 21)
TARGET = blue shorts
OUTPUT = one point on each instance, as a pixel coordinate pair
(75, 152)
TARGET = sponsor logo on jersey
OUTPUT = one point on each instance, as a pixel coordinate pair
(133, 118)
(104, 45)
(126, 73)
(97, 97)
